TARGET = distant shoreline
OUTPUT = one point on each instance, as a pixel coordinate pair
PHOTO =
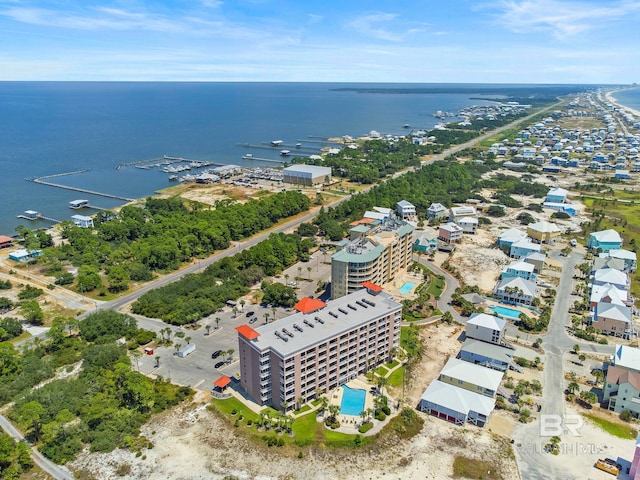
(612, 99)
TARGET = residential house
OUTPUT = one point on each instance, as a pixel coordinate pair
(486, 354)
(436, 210)
(520, 269)
(607, 262)
(22, 254)
(543, 232)
(82, 221)
(426, 242)
(509, 236)
(537, 260)
(628, 256)
(608, 294)
(456, 405)
(626, 357)
(487, 328)
(463, 211)
(611, 276)
(523, 248)
(605, 240)
(516, 290)
(621, 390)
(557, 195)
(405, 210)
(472, 377)
(468, 224)
(450, 232)
(5, 241)
(613, 319)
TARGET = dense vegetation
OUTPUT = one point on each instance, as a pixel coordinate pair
(159, 237)
(101, 406)
(198, 295)
(15, 458)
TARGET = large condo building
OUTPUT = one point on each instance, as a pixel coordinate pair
(319, 348)
(376, 253)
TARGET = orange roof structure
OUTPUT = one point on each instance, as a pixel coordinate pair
(247, 332)
(372, 286)
(5, 239)
(222, 382)
(362, 221)
(308, 305)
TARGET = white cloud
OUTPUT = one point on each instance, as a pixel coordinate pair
(561, 18)
(376, 25)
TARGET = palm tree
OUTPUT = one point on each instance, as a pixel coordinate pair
(309, 273)
(363, 415)
(266, 318)
(382, 382)
(235, 312)
(187, 339)
(217, 319)
(324, 403)
(177, 347)
(242, 303)
(230, 353)
(273, 312)
(286, 278)
(208, 328)
(157, 361)
(299, 271)
(135, 353)
(333, 411)
(573, 387)
(285, 405)
(300, 402)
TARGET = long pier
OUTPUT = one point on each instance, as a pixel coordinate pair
(251, 157)
(63, 174)
(81, 190)
(140, 162)
(292, 148)
(204, 162)
(40, 217)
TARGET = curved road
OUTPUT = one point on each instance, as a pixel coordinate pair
(56, 471)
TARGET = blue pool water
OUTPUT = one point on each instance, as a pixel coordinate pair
(407, 287)
(506, 312)
(352, 401)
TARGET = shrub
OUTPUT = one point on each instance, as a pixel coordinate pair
(626, 415)
(386, 410)
(380, 416)
(365, 427)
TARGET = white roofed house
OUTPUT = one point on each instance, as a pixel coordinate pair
(628, 256)
(520, 269)
(436, 210)
(82, 221)
(613, 319)
(468, 224)
(608, 294)
(524, 248)
(510, 236)
(516, 290)
(611, 276)
(450, 232)
(475, 378)
(456, 405)
(605, 240)
(405, 210)
(485, 327)
(463, 211)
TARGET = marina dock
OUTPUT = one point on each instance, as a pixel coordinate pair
(251, 157)
(39, 217)
(40, 181)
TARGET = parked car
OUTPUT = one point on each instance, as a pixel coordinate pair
(216, 354)
(219, 364)
(253, 320)
(250, 314)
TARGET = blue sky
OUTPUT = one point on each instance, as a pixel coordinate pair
(505, 41)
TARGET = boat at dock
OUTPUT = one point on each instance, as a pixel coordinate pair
(173, 178)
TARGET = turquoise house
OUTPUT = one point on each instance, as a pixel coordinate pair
(605, 240)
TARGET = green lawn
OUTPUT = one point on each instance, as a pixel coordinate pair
(616, 429)
(381, 371)
(392, 364)
(435, 286)
(395, 379)
(227, 405)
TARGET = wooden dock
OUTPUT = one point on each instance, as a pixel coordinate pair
(264, 159)
(40, 217)
(141, 162)
(77, 189)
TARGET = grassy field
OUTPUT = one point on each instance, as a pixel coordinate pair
(617, 429)
(395, 379)
(464, 467)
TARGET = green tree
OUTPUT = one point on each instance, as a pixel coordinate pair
(30, 415)
(118, 278)
(32, 312)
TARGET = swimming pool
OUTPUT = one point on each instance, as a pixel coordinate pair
(352, 401)
(407, 287)
(505, 312)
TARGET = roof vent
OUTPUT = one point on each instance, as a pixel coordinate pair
(280, 336)
(351, 307)
(361, 304)
(297, 327)
(308, 323)
(342, 310)
(287, 332)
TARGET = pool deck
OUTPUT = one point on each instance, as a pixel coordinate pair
(336, 399)
(492, 303)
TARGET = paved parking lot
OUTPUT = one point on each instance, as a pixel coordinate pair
(198, 368)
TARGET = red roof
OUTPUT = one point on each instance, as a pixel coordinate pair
(308, 305)
(372, 286)
(222, 382)
(5, 239)
(247, 332)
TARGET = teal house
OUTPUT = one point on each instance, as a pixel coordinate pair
(605, 240)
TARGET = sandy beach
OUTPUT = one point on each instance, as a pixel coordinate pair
(612, 99)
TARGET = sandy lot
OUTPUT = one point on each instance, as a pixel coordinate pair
(190, 442)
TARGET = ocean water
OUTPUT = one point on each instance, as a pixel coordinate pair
(629, 98)
(53, 127)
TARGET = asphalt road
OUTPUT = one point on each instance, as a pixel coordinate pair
(56, 471)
